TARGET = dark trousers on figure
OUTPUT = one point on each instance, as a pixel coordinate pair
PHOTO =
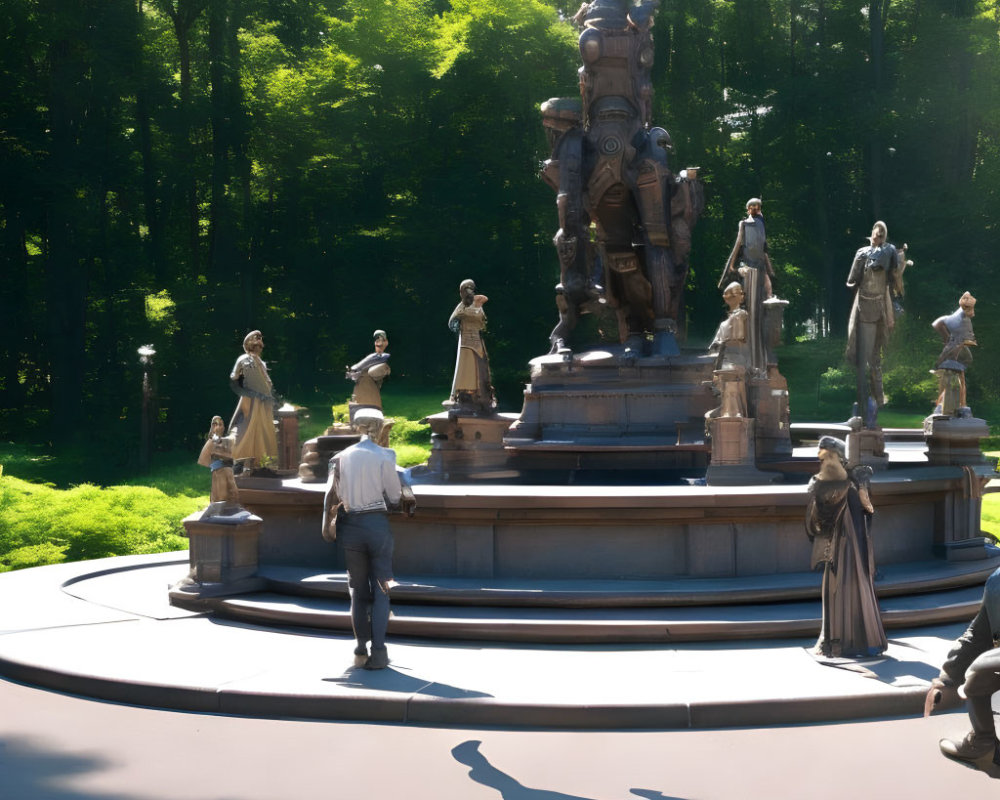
(982, 680)
(367, 542)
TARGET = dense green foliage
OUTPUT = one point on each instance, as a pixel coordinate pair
(43, 525)
(179, 171)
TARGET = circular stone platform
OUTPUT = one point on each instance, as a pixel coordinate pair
(105, 629)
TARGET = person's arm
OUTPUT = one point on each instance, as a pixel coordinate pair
(331, 502)
(391, 487)
(976, 640)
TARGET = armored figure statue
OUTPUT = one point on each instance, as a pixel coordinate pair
(369, 373)
(610, 167)
(957, 334)
(877, 275)
(471, 389)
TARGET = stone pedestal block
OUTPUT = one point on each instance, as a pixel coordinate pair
(223, 555)
(288, 437)
(954, 440)
(462, 445)
(867, 448)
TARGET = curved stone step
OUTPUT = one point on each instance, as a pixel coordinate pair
(894, 580)
(587, 625)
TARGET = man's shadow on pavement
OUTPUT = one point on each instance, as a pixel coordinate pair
(483, 772)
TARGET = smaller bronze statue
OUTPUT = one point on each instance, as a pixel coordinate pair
(838, 521)
(217, 455)
(974, 661)
(253, 421)
(957, 334)
(471, 389)
(733, 357)
(369, 373)
(877, 275)
(750, 249)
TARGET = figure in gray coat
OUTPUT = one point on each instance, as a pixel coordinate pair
(974, 661)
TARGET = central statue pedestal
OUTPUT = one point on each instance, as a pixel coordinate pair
(609, 408)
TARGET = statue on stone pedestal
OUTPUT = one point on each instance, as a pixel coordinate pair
(253, 421)
(369, 373)
(838, 522)
(749, 261)
(731, 343)
(610, 167)
(471, 389)
(877, 275)
(957, 334)
(217, 455)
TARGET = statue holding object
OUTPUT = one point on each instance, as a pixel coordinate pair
(877, 276)
(217, 455)
(369, 373)
(610, 168)
(253, 420)
(957, 334)
(838, 521)
(471, 389)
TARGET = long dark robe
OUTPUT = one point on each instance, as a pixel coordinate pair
(840, 529)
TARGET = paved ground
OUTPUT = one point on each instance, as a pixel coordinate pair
(112, 632)
(104, 629)
(58, 747)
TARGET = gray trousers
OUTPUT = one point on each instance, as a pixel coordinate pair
(367, 542)
(982, 680)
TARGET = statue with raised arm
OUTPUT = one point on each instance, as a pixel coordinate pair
(471, 389)
(609, 166)
(253, 421)
(877, 277)
(369, 373)
(957, 335)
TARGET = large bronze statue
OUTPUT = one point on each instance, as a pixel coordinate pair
(624, 218)
(877, 275)
(838, 521)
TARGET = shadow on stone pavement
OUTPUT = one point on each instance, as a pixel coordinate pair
(391, 680)
(483, 772)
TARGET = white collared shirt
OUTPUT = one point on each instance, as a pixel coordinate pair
(364, 477)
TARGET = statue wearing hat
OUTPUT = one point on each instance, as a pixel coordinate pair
(369, 373)
(838, 521)
(252, 423)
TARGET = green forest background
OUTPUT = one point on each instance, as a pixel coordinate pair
(178, 172)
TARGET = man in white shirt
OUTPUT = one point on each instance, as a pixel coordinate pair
(363, 479)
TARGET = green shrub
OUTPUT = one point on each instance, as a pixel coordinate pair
(40, 524)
